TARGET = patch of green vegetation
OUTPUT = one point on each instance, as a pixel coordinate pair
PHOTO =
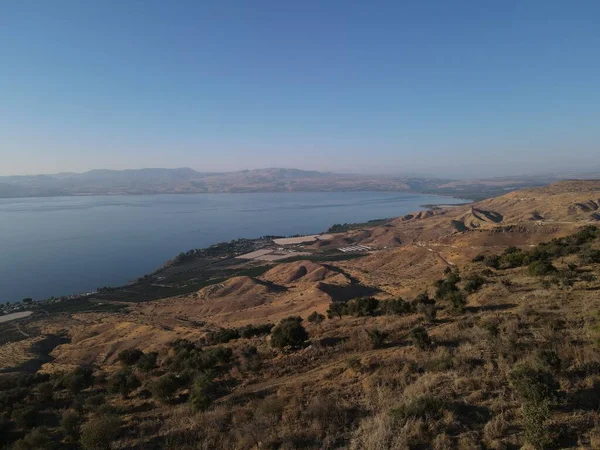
(342, 227)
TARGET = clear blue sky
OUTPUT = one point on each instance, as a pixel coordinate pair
(438, 87)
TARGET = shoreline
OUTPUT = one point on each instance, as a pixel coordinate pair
(222, 249)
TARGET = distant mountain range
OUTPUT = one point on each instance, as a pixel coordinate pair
(186, 180)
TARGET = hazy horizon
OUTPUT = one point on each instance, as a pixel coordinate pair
(450, 90)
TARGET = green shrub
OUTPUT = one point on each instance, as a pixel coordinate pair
(535, 425)
(396, 307)
(473, 283)
(94, 401)
(37, 439)
(123, 382)
(130, 356)
(188, 357)
(78, 380)
(289, 333)
(590, 256)
(362, 306)
(492, 261)
(204, 392)
(533, 386)
(25, 417)
(457, 300)
(549, 359)
(147, 362)
(429, 311)
(315, 317)
(222, 336)
(46, 392)
(338, 309)
(70, 424)
(420, 338)
(377, 338)
(250, 331)
(165, 387)
(100, 433)
(541, 267)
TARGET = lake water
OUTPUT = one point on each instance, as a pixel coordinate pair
(64, 245)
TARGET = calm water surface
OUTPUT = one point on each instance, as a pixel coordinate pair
(65, 245)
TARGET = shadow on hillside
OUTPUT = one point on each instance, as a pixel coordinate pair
(490, 308)
(345, 293)
(42, 351)
(272, 287)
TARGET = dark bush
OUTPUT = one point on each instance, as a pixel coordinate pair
(492, 261)
(457, 300)
(78, 380)
(70, 424)
(590, 256)
(338, 309)
(396, 307)
(165, 387)
(289, 333)
(362, 306)
(377, 338)
(123, 382)
(204, 392)
(250, 331)
(420, 338)
(37, 439)
(473, 283)
(222, 336)
(478, 258)
(94, 401)
(315, 317)
(549, 359)
(532, 385)
(147, 362)
(130, 356)
(541, 268)
(100, 433)
(46, 392)
(25, 417)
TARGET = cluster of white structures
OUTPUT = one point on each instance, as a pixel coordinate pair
(355, 248)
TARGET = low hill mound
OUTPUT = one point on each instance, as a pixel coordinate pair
(296, 272)
(234, 287)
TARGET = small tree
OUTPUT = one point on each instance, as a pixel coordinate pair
(289, 333)
(123, 382)
(37, 439)
(420, 338)
(24, 417)
(46, 392)
(337, 309)
(165, 387)
(203, 392)
(70, 424)
(78, 380)
(130, 356)
(377, 338)
(147, 362)
(315, 317)
(541, 268)
(99, 433)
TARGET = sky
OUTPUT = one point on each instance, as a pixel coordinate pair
(453, 88)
